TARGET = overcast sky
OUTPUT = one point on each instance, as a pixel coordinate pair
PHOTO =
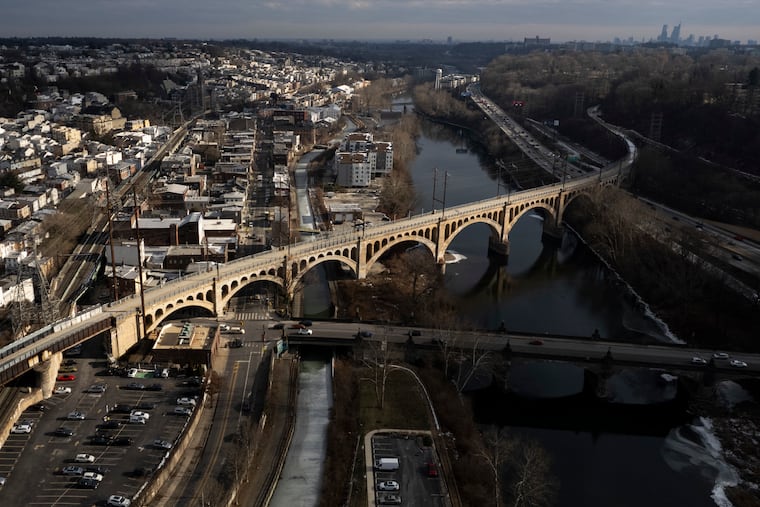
(463, 20)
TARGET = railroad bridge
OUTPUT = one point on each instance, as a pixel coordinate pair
(132, 318)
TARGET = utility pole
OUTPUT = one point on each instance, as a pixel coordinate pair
(109, 210)
(139, 263)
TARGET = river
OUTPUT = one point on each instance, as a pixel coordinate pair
(564, 289)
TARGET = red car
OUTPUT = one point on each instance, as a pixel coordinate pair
(65, 378)
(432, 470)
(536, 342)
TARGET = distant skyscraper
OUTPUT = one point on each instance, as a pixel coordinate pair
(675, 36)
(448, 40)
(664, 34)
(438, 76)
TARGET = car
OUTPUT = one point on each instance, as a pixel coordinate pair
(118, 501)
(278, 325)
(536, 342)
(720, 355)
(432, 469)
(162, 444)
(21, 428)
(101, 440)
(738, 364)
(698, 360)
(96, 388)
(111, 424)
(38, 407)
(122, 441)
(388, 486)
(306, 323)
(88, 483)
(93, 475)
(365, 334)
(72, 470)
(182, 411)
(121, 409)
(135, 386)
(415, 332)
(69, 362)
(62, 390)
(224, 327)
(737, 257)
(145, 405)
(390, 499)
(139, 413)
(304, 331)
(63, 432)
(186, 401)
(66, 377)
(97, 469)
(2, 481)
(154, 387)
(67, 369)
(84, 458)
(76, 416)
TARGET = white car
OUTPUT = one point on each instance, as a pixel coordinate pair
(84, 458)
(62, 390)
(388, 486)
(183, 410)
(304, 331)
(139, 413)
(186, 401)
(698, 360)
(96, 388)
(76, 416)
(93, 475)
(21, 428)
(720, 355)
(738, 364)
(119, 501)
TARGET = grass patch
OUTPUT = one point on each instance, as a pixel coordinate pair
(405, 406)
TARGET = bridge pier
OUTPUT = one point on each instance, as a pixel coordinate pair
(48, 371)
(552, 232)
(498, 249)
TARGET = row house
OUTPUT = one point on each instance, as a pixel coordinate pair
(15, 210)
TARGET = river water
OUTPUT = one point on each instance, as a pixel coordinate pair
(564, 289)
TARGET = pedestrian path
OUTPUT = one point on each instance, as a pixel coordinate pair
(252, 315)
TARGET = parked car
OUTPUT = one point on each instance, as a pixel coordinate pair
(390, 499)
(145, 405)
(162, 444)
(388, 486)
(122, 441)
(365, 334)
(101, 440)
(112, 424)
(432, 469)
(84, 458)
(21, 428)
(278, 325)
(135, 386)
(536, 342)
(69, 362)
(63, 432)
(121, 409)
(72, 470)
(38, 407)
(67, 369)
(66, 377)
(118, 501)
(62, 390)
(96, 388)
(182, 410)
(306, 323)
(154, 387)
(139, 413)
(97, 469)
(93, 475)
(88, 483)
(76, 416)
(186, 401)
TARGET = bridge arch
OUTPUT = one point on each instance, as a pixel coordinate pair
(156, 316)
(398, 240)
(321, 259)
(462, 224)
(524, 209)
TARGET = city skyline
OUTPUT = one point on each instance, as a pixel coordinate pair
(463, 20)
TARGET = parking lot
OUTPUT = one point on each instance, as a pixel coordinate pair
(416, 481)
(94, 416)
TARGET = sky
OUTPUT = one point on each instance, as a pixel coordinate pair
(462, 20)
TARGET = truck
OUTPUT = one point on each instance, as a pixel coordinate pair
(386, 464)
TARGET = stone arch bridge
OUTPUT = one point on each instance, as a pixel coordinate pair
(131, 318)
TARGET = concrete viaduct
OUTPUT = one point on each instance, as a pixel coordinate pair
(126, 321)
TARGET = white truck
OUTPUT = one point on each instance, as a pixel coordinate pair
(386, 464)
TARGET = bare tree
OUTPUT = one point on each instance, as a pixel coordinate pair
(376, 359)
(469, 364)
(533, 484)
(496, 449)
